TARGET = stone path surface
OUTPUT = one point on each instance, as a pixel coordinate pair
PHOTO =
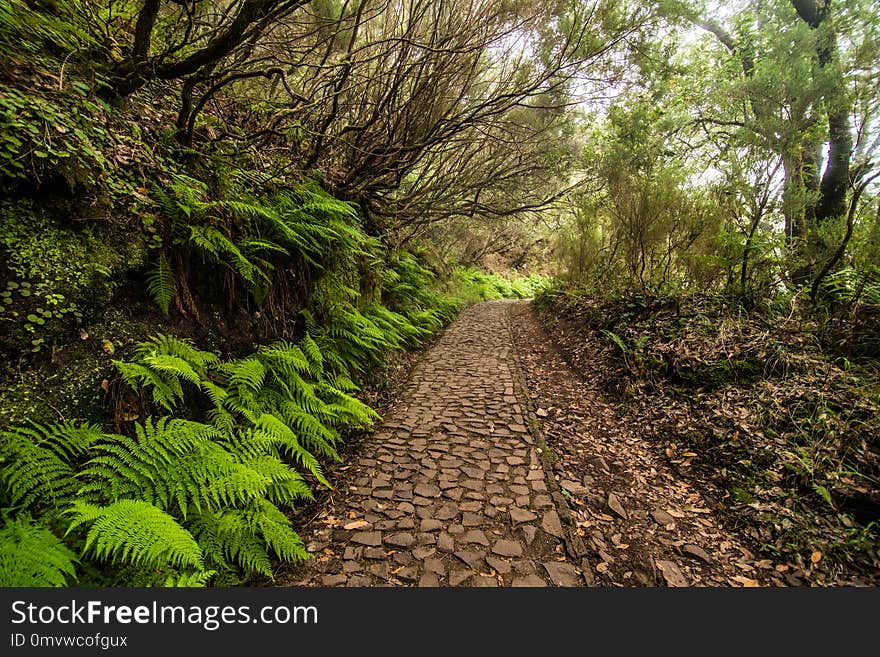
(450, 490)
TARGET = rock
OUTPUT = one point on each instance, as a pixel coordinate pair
(427, 490)
(446, 512)
(372, 539)
(672, 574)
(661, 517)
(542, 412)
(472, 559)
(528, 581)
(562, 574)
(552, 524)
(403, 558)
(529, 533)
(333, 580)
(430, 525)
(506, 548)
(573, 487)
(518, 515)
(374, 553)
(423, 552)
(435, 566)
(472, 519)
(429, 580)
(410, 573)
(615, 505)
(499, 565)
(598, 462)
(403, 539)
(474, 536)
(459, 577)
(482, 581)
(697, 552)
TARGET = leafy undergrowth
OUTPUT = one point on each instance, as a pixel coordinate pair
(781, 436)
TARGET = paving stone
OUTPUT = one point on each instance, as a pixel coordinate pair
(430, 525)
(481, 581)
(334, 580)
(403, 539)
(427, 490)
(410, 573)
(561, 573)
(474, 536)
(423, 552)
(435, 566)
(446, 512)
(403, 558)
(528, 581)
(445, 542)
(471, 558)
(472, 519)
(518, 515)
(499, 564)
(459, 577)
(506, 548)
(429, 580)
(552, 524)
(367, 538)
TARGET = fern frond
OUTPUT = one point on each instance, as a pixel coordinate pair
(39, 466)
(137, 533)
(198, 579)
(290, 443)
(248, 373)
(161, 284)
(31, 555)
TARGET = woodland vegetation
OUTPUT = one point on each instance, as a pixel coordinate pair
(219, 217)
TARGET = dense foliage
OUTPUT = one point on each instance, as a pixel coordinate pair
(218, 219)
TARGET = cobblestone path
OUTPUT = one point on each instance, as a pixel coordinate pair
(450, 490)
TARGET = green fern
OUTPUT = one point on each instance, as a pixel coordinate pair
(161, 284)
(39, 462)
(198, 579)
(31, 555)
(162, 363)
(135, 532)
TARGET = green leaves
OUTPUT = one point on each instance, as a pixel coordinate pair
(31, 555)
(136, 532)
(161, 284)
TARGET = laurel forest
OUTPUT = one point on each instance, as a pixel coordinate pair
(226, 224)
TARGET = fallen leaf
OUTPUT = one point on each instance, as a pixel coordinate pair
(816, 557)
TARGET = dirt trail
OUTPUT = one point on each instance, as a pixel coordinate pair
(641, 522)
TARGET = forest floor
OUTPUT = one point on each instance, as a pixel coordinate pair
(500, 465)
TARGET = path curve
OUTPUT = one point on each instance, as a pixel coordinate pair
(450, 490)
